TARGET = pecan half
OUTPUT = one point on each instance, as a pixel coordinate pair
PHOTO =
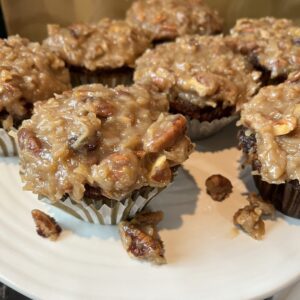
(46, 226)
(140, 238)
(164, 133)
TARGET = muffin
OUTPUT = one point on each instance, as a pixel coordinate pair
(102, 154)
(271, 44)
(205, 80)
(104, 52)
(28, 73)
(270, 139)
(165, 20)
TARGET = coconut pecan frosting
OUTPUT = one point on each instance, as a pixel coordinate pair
(28, 73)
(114, 140)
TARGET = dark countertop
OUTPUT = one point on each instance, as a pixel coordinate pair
(7, 293)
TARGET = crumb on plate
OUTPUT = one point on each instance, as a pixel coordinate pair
(218, 187)
(250, 218)
(46, 226)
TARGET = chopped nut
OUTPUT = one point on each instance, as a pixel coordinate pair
(28, 140)
(262, 207)
(294, 76)
(250, 217)
(250, 222)
(178, 152)
(140, 238)
(201, 87)
(8, 123)
(284, 126)
(104, 109)
(84, 135)
(296, 111)
(218, 187)
(160, 174)
(46, 226)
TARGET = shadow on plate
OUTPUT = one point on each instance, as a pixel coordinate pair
(289, 220)
(83, 229)
(224, 139)
(178, 200)
(9, 160)
(246, 177)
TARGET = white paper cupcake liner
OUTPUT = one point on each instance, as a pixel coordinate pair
(199, 130)
(8, 146)
(106, 212)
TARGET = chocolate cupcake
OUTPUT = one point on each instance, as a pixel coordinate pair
(205, 79)
(102, 154)
(272, 45)
(270, 139)
(104, 52)
(28, 73)
(166, 20)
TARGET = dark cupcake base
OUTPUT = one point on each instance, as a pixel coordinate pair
(286, 196)
(110, 78)
(201, 114)
(266, 74)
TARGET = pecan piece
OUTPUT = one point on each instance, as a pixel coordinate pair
(164, 133)
(218, 187)
(104, 109)
(84, 134)
(140, 238)
(117, 172)
(27, 140)
(250, 218)
(250, 222)
(262, 207)
(284, 126)
(46, 226)
(160, 174)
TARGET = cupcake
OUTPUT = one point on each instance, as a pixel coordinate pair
(272, 45)
(165, 20)
(205, 80)
(271, 141)
(28, 73)
(104, 52)
(102, 154)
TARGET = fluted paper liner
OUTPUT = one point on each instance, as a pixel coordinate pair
(285, 197)
(7, 144)
(199, 130)
(106, 212)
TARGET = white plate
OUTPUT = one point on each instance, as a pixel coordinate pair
(206, 258)
(290, 293)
